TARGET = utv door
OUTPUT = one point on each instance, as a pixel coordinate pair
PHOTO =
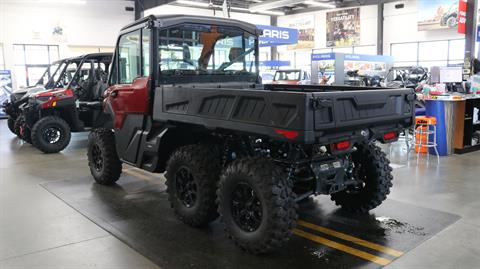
(127, 99)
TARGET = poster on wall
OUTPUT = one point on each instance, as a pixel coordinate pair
(306, 32)
(437, 14)
(5, 88)
(343, 27)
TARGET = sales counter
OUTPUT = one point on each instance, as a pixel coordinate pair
(457, 121)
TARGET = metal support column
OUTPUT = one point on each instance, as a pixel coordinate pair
(380, 28)
(470, 32)
(273, 49)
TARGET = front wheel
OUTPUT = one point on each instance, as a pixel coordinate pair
(256, 205)
(105, 166)
(11, 124)
(372, 170)
(22, 130)
(51, 134)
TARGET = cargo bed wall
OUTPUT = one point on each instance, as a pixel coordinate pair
(361, 108)
(246, 110)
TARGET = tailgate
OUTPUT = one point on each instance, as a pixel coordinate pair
(350, 109)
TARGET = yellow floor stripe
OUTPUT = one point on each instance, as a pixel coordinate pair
(355, 240)
(135, 174)
(352, 251)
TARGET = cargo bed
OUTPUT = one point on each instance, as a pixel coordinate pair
(302, 114)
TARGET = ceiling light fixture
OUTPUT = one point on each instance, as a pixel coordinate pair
(273, 4)
(75, 2)
(192, 3)
(269, 12)
(320, 4)
(238, 8)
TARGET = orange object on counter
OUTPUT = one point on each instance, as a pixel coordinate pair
(423, 123)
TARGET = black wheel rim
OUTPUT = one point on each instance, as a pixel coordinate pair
(186, 187)
(52, 135)
(97, 158)
(246, 208)
(359, 173)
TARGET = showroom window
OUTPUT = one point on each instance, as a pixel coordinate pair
(30, 62)
(298, 59)
(368, 49)
(303, 60)
(429, 53)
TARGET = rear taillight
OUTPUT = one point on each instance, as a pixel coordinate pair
(287, 134)
(341, 145)
(390, 136)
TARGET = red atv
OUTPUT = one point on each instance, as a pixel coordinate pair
(74, 104)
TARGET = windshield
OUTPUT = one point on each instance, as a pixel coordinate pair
(206, 50)
(51, 74)
(287, 75)
(65, 75)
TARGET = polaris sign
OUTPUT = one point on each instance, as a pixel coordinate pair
(276, 36)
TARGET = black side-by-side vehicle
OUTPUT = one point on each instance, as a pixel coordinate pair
(50, 79)
(73, 105)
(184, 99)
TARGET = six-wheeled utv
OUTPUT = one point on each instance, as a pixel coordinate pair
(184, 99)
(74, 104)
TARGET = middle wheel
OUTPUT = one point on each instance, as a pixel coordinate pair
(192, 176)
(256, 204)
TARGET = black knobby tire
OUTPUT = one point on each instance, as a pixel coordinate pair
(105, 166)
(373, 168)
(51, 134)
(11, 124)
(22, 130)
(274, 199)
(192, 175)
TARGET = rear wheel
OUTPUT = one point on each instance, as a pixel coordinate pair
(51, 134)
(11, 124)
(373, 172)
(105, 166)
(192, 176)
(256, 205)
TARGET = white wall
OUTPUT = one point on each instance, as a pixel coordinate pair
(96, 24)
(400, 25)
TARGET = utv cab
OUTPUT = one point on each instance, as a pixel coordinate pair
(73, 105)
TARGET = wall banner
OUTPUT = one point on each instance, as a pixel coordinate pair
(306, 32)
(5, 87)
(437, 14)
(343, 27)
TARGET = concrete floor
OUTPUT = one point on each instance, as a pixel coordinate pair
(38, 230)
